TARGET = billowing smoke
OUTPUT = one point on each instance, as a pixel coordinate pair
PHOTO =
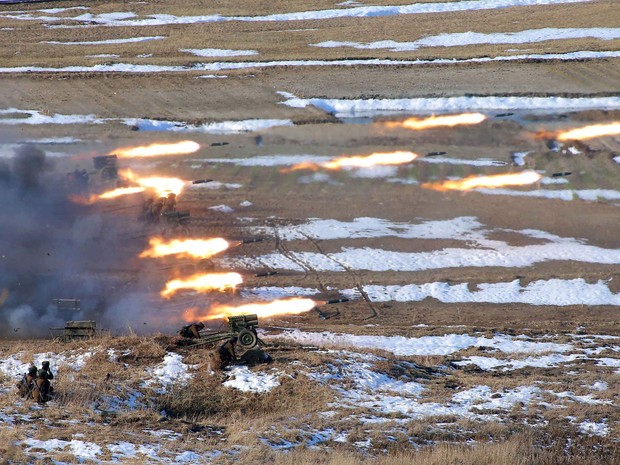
(53, 248)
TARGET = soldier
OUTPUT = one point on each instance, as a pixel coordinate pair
(170, 203)
(42, 387)
(156, 207)
(192, 330)
(26, 384)
(223, 356)
(147, 206)
(45, 366)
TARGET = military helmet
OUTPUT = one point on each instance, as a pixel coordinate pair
(41, 373)
(45, 364)
(32, 370)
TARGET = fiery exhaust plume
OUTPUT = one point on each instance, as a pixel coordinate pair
(157, 150)
(419, 124)
(192, 248)
(111, 194)
(358, 161)
(292, 306)
(161, 185)
(590, 132)
(203, 283)
(494, 181)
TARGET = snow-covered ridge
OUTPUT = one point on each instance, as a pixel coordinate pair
(14, 116)
(425, 345)
(129, 40)
(371, 259)
(480, 251)
(224, 66)
(131, 19)
(368, 107)
(542, 292)
(476, 38)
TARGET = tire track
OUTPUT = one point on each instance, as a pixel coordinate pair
(350, 272)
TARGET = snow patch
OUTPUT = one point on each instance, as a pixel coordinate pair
(216, 52)
(222, 208)
(248, 381)
(347, 108)
(558, 292)
(426, 345)
(125, 19)
(129, 40)
(475, 38)
(222, 127)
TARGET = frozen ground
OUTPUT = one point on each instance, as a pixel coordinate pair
(384, 392)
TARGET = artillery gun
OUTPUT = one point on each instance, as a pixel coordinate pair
(75, 329)
(243, 327)
(106, 166)
(176, 222)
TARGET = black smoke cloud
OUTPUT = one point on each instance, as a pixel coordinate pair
(51, 247)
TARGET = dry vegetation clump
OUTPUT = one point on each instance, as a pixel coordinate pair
(402, 370)
(136, 349)
(524, 448)
(9, 452)
(205, 397)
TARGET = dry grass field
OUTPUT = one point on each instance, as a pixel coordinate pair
(482, 325)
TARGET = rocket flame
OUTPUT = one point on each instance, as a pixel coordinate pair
(194, 248)
(358, 161)
(157, 150)
(418, 124)
(292, 306)
(494, 181)
(590, 132)
(203, 283)
(112, 194)
(161, 185)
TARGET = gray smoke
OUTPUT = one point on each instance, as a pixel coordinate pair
(51, 247)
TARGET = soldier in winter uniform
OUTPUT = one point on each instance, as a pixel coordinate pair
(223, 356)
(25, 385)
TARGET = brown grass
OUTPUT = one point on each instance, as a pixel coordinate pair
(206, 398)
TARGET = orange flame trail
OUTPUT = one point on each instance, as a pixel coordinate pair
(358, 161)
(161, 185)
(193, 248)
(203, 283)
(292, 306)
(418, 124)
(156, 150)
(590, 132)
(494, 181)
(111, 194)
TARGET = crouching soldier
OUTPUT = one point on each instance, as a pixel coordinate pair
(45, 366)
(223, 356)
(42, 388)
(26, 384)
(192, 330)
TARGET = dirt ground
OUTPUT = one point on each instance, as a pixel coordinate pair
(251, 93)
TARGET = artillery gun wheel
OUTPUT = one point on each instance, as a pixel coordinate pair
(247, 339)
(205, 265)
(109, 174)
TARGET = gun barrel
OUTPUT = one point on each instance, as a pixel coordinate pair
(202, 181)
(252, 241)
(265, 274)
(336, 301)
(562, 173)
(434, 154)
